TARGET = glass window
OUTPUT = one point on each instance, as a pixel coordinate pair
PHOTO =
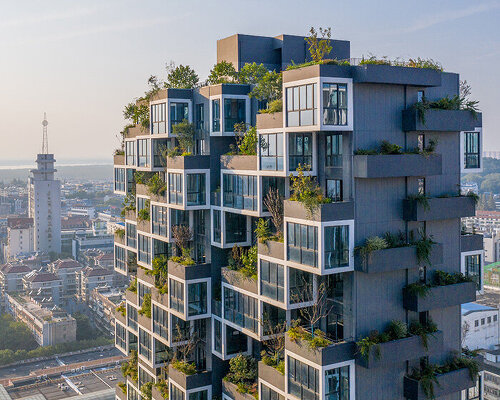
(131, 317)
(181, 329)
(176, 393)
(160, 322)
(300, 150)
(142, 290)
(302, 244)
(272, 316)
(130, 152)
(144, 344)
(131, 235)
(334, 189)
(303, 380)
(120, 336)
(197, 298)
(334, 104)
(473, 269)
(337, 384)
(336, 246)
(301, 105)
(333, 156)
(158, 118)
(174, 188)
(200, 116)
(472, 156)
(271, 152)
(143, 153)
(159, 148)
(217, 225)
(236, 228)
(216, 115)
(240, 191)
(236, 341)
(272, 182)
(217, 335)
(144, 249)
(272, 281)
(420, 96)
(241, 309)
(178, 113)
(176, 292)
(300, 285)
(120, 261)
(201, 395)
(159, 220)
(234, 113)
(269, 394)
(120, 179)
(195, 190)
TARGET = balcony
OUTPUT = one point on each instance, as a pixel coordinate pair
(159, 297)
(273, 249)
(119, 159)
(238, 280)
(471, 242)
(272, 376)
(188, 162)
(130, 215)
(188, 382)
(449, 383)
(141, 189)
(394, 75)
(440, 297)
(397, 351)
(144, 226)
(134, 131)
(326, 212)
(131, 297)
(144, 322)
(270, 121)
(231, 390)
(395, 166)
(155, 394)
(143, 276)
(239, 162)
(119, 393)
(189, 272)
(334, 353)
(440, 121)
(439, 208)
(120, 239)
(121, 318)
(395, 259)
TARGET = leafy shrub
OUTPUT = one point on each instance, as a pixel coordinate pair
(156, 186)
(120, 233)
(184, 367)
(373, 243)
(274, 106)
(306, 190)
(146, 305)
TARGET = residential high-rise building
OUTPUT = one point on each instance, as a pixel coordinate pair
(363, 161)
(44, 197)
(19, 237)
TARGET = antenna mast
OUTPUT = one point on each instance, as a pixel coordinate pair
(45, 140)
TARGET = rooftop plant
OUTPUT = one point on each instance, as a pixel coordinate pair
(162, 386)
(146, 305)
(143, 214)
(133, 285)
(120, 232)
(181, 77)
(121, 309)
(273, 107)
(187, 368)
(439, 278)
(274, 204)
(246, 140)
(297, 333)
(156, 186)
(129, 368)
(387, 148)
(244, 261)
(306, 190)
(243, 373)
(410, 63)
(182, 235)
(222, 72)
(128, 204)
(147, 390)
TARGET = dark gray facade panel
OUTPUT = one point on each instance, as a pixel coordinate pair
(322, 356)
(441, 121)
(270, 121)
(189, 381)
(386, 74)
(272, 249)
(439, 208)
(189, 162)
(271, 375)
(189, 272)
(247, 163)
(238, 280)
(391, 166)
(325, 212)
(471, 242)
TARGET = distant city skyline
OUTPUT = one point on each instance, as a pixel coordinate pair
(82, 62)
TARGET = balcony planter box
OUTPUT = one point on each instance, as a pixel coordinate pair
(141, 275)
(230, 390)
(273, 249)
(130, 215)
(246, 163)
(131, 297)
(156, 395)
(323, 356)
(440, 297)
(439, 208)
(340, 211)
(270, 121)
(272, 376)
(441, 121)
(449, 383)
(189, 272)
(188, 382)
(119, 393)
(388, 74)
(121, 318)
(143, 321)
(158, 297)
(237, 279)
(188, 162)
(141, 189)
(120, 239)
(395, 259)
(134, 131)
(144, 226)
(314, 71)
(393, 166)
(396, 351)
(471, 242)
(119, 159)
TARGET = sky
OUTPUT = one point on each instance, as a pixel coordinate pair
(81, 61)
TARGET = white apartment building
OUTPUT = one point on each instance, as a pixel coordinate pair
(11, 277)
(67, 270)
(92, 278)
(479, 326)
(20, 238)
(44, 287)
(484, 221)
(44, 196)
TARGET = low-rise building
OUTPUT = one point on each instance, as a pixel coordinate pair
(479, 326)
(491, 247)
(91, 278)
(103, 301)
(49, 326)
(43, 287)
(491, 375)
(484, 221)
(105, 260)
(11, 277)
(67, 270)
(19, 237)
(82, 243)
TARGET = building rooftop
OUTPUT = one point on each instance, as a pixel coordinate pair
(67, 263)
(469, 308)
(19, 222)
(37, 276)
(97, 272)
(14, 269)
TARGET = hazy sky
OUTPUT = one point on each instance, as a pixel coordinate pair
(82, 61)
